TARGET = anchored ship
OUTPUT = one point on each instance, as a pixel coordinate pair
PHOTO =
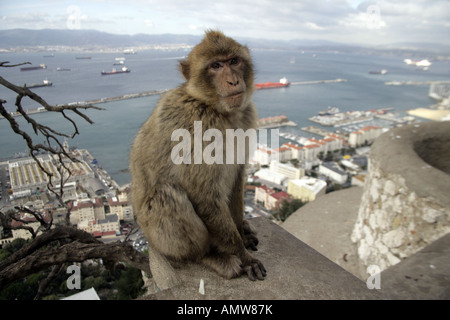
(41, 66)
(382, 71)
(283, 83)
(114, 71)
(45, 83)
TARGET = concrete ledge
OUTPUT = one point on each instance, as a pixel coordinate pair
(294, 271)
(424, 275)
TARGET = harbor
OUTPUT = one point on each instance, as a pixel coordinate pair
(335, 118)
(159, 92)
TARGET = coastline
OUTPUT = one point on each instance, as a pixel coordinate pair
(430, 114)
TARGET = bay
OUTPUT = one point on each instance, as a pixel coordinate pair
(110, 137)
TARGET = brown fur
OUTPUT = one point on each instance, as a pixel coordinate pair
(195, 211)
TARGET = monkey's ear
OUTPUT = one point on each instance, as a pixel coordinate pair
(184, 68)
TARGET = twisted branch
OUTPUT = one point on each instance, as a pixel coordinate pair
(62, 244)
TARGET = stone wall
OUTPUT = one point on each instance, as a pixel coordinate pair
(406, 199)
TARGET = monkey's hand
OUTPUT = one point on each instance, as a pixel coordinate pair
(250, 239)
(253, 268)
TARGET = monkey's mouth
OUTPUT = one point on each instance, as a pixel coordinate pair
(235, 95)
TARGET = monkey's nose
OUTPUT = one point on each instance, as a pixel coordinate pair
(231, 83)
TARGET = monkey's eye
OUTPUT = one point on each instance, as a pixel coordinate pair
(234, 61)
(215, 65)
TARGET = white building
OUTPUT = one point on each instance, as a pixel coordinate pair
(333, 171)
(263, 155)
(89, 210)
(306, 188)
(284, 154)
(119, 205)
(287, 169)
(271, 176)
(297, 152)
(365, 135)
(312, 151)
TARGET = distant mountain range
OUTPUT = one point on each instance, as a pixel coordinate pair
(91, 39)
(86, 38)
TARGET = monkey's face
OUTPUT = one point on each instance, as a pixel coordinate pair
(227, 79)
(219, 73)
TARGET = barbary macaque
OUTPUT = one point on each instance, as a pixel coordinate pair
(194, 211)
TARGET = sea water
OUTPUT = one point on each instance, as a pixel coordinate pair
(110, 138)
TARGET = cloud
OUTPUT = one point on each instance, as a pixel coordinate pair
(337, 20)
(148, 22)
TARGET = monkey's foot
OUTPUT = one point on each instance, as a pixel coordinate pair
(228, 266)
(255, 268)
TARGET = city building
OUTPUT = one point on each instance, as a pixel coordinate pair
(333, 171)
(110, 224)
(284, 154)
(365, 135)
(30, 221)
(263, 155)
(306, 188)
(119, 205)
(87, 210)
(262, 194)
(27, 176)
(311, 152)
(270, 198)
(297, 152)
(271, 176)
(274, 200)
(287, 170)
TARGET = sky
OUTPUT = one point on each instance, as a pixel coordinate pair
(372, 22)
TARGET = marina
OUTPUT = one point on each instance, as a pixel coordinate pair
(337, 119)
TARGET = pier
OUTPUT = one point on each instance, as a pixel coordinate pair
(316, 130)
(414, 83)
(318, 82)
(125, 97)
(97, 101)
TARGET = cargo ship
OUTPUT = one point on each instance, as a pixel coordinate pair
(382, 71)
(283, 83)
(114, 71)
(45, 83)
(41, 66)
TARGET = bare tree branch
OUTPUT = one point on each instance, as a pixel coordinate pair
(3, 64)
(54, 246)
(72, 252)
(39, 255)
(56, 269)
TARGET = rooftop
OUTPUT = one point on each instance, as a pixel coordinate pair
(310, 183)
